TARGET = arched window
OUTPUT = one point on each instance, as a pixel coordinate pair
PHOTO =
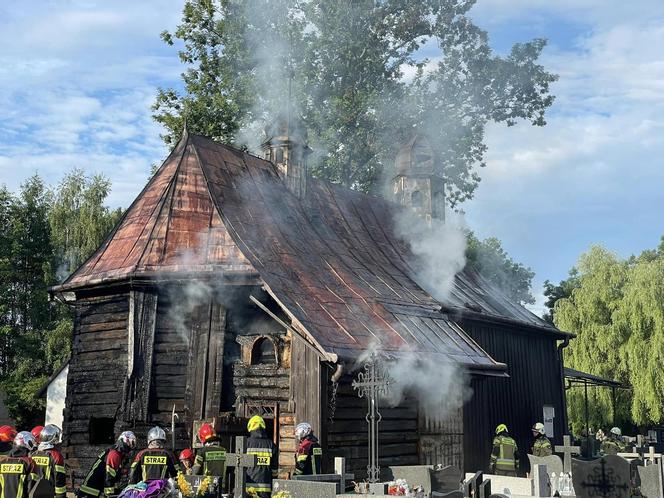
(263, 352)
(416, 199)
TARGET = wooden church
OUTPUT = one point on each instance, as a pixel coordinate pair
(236, 285)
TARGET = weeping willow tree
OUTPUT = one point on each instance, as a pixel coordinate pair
(617, 311)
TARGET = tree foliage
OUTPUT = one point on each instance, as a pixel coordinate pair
(40, 230)
(342, 67)
(616, 308)
(492, 261)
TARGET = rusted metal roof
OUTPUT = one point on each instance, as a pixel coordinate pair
(333, 260)
(171, 227)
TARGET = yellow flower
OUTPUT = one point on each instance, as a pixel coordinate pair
(252, 493)
(184, 486)
(205, 485)
(282, 494)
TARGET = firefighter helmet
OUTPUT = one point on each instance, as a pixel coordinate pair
(501, 428)
(186, 455)
(49, 436)
(539, 428)
(36, 431)
(7, 434)
(126, 441)
(26, 440)
(616, 431)
(303, 430)
(256, 422)
(206, 433)
(156, 434)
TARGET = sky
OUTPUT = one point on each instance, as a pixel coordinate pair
(78, 77)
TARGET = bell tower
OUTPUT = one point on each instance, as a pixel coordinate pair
(286, 146)
(418, 183)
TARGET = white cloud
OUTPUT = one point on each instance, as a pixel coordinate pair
(77, 79)
(594, 173)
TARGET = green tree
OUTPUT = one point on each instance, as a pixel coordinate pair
(616, 308)
(341, 65)
(79, 220)
(492, 261)
(554, 292)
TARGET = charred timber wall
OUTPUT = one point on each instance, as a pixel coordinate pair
(347, 432)
(96, 375)
(534, 369)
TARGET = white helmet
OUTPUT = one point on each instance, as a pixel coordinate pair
(616, 431)
(156, 434)
(49, 436)
(303, 430)
(127, 440)
(539, 427)
(26, 440)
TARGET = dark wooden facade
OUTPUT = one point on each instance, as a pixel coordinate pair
(220, 294)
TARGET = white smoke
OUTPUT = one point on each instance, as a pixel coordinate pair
(439, 250)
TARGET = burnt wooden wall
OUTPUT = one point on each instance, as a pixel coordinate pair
(532, 360)
(96, 374)
(441, 438)
(347, 432)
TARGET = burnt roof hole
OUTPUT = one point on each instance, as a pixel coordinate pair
(263, 352)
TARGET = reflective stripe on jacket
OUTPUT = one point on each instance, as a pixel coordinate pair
(260, 477)
(151, 464)
(505, 454)
(211, 461)
(50, 465)
(103, 478)
(16, 472)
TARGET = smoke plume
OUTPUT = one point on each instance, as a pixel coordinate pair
(438, 249)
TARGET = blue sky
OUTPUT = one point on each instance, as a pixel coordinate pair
(77, 78)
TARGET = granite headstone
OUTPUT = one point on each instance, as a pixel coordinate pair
(553, 463)
(652, 484)
(607, 477)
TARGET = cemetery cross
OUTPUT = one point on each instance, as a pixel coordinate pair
(240, 461)
(372, 383)
(568, 450)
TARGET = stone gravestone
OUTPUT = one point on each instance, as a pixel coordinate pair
(451, 494)
(553, 463)
(471, 488)
(607, 477)
(540, 479)
(445, 480)
(567, 450)
(414, 475)
(652, 485)
(339, 478)
(634, 473)
(305, 489)
(485, 488)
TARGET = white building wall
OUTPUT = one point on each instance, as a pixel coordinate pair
(55, 398)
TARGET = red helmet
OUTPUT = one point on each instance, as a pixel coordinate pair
(36, 431)
(187, 454)
(206, 432)
(7, 434)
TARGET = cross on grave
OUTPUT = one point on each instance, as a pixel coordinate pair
(371, 384)
(603, 484)
(568, 450)
(240, 461)
(340, 475)
(641, 448)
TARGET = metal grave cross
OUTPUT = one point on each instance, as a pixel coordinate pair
(568, 450)
(371, 384)
(240, 461)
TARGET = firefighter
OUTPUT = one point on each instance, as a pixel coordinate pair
(186, 459)
(103, 478)
(613, 444)
(505, 453)
(17, 469)
(260, 477)
(154, 462)
(7, 435)
(309, 454)
(541, 444)
(211, 458)
(49, 462)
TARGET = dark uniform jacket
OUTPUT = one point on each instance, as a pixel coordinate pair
(104, 476)
(16, 472)
(50, 465)
(308, 457)
(5, 447)
(153, 463)
(542, 446)
(260, 477)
